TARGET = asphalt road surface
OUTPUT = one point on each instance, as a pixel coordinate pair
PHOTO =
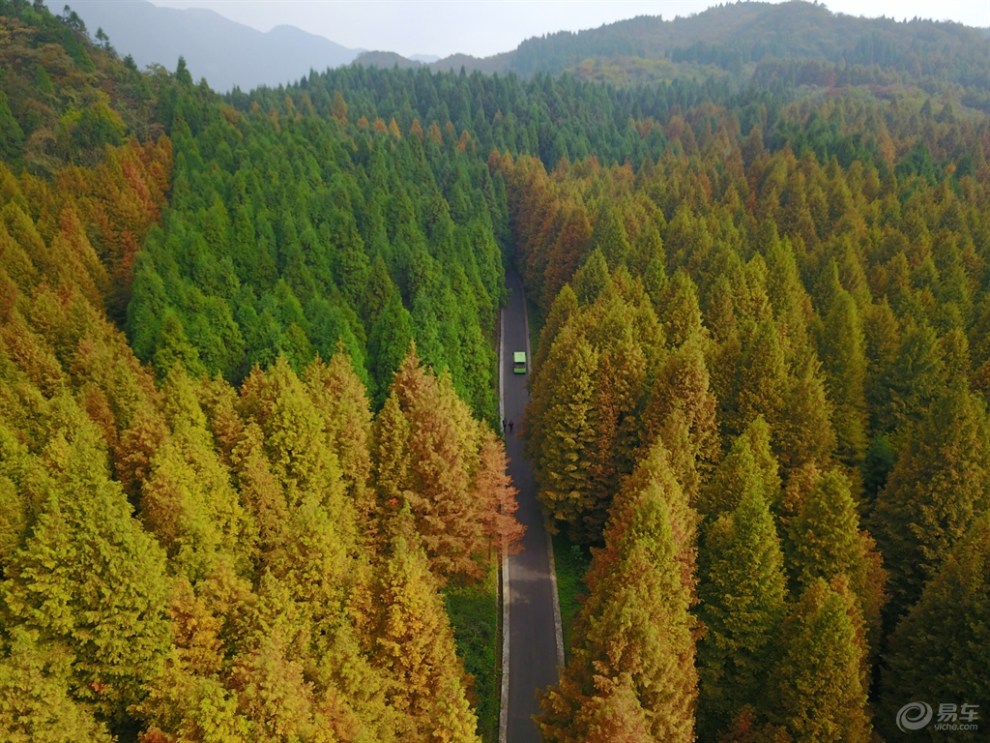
(530, 588)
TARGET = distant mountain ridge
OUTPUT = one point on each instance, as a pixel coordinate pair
(734, 36)
(226, 53)
(739, 41)
(802, 41)
(387, 60)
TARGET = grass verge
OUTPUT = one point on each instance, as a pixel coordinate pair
(572, 562)
(473, 612)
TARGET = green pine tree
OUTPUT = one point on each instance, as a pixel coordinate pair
(941, 649)
(817, 690)
(825, 541)
(842, 350)
(749, 465)
(939, 485)
(742, 589)
(561, 427)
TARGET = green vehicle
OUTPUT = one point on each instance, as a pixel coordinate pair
(519, 362)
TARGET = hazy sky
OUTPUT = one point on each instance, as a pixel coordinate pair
(486, 27)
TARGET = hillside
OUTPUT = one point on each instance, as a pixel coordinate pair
(386, 60)
(252, 482)
(801, 41)
(739, 41)
(736, 36)
(180, 552)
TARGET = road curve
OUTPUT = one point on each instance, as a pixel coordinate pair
(531, 614)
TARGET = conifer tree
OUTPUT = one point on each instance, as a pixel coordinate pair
(609, 236)
(825, 541)
(136, 447)
(633, 652)
(914, 380)
(564, 307)
(749, 465)
(415, 645)
(30, 353)
(349, 691)
(817, 692)
(763, 382)
(188, 501)
(613, 714)
(742, 588)
(493, 487)
(189, 505)
(625, 331)
(654, 469)
(391, 459)
(568, 252)
(561, 427)
(679, 310)
(940, 650)
(89, 577)
(938, 486)
(682, 384)
(842, 350)
(803, 433)
(677, 440)
(188, 699)
(603, 470)
(647, 258)
(317, 561)
(268, 675)
(787, 295)
(25, 488)
(388, 341)
(35, 703)
(722, 318)
(823, 532)
(340, 397)
(592, 279)
(294, 438)
(436, 457)
(261, 491)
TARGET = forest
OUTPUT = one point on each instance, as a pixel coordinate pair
(252, 479)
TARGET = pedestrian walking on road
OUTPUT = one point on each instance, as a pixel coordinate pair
(511, 423)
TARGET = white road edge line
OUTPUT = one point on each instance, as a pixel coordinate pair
(557, 623)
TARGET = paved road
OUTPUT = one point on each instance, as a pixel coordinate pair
(533, 634)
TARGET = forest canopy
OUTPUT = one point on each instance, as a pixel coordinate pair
(249, 428)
